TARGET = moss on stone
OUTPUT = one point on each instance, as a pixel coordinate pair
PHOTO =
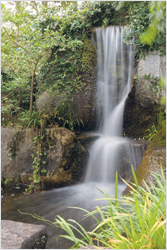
(88, 57)
(152, 161)
(60, 179)
(161, 118)
(159, 139)
(51, 143)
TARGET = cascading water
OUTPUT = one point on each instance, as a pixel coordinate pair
(109, 153)
(115, 60)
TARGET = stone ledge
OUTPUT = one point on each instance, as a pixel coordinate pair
(18, 235)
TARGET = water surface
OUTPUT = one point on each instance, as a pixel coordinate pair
(48, 204)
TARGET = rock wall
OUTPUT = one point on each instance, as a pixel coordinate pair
(65, 157)
(143, 102)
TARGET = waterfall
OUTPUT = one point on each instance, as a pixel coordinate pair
(115, 64)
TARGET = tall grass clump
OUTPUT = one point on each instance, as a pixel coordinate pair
(136, 221)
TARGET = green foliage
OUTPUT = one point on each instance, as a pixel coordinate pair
(33, 120)
(137, 221)
(150, 133)
(157, 24)
(102, 13)
(25, 48)
(28, 35)
(6, 181)
(162, 85)
(31, 48)
(37, 168)
(145, 19)
(9, 154)
(153, 83)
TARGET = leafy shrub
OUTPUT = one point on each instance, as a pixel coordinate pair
(147, 26)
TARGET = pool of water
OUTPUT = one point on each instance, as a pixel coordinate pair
(48, 204)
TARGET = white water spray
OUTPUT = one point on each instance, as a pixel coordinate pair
(111, 151)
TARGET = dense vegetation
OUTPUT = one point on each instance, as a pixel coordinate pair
(38, 41)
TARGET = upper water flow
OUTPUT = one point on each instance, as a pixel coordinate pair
(114, 75)
(115, 68)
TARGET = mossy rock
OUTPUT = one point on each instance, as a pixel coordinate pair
(159, 139)
(87, 62)
(152, 160)
(75, 101)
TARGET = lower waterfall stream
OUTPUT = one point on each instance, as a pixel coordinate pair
(110, 153)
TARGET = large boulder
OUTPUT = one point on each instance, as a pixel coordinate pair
(63, 154)
(18, 235)
(65, 158)
(143, 102)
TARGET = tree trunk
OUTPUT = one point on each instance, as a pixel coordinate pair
(32, 88)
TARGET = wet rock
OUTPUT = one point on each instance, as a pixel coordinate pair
(87, 139)
(18, 235)
(152, 160)
(131, 156)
